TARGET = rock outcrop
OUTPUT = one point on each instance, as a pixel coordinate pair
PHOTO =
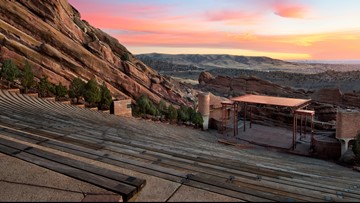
(57, 43)
(333, 95)
(231, 87)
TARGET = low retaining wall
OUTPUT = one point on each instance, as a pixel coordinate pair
(16, 90)
(122, 108)
(33, 94)
(326, 148)
(347, 124)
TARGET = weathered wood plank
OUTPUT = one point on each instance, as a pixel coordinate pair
(209, 181)
(136, 182)
(125, 190)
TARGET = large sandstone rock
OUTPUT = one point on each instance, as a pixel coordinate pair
(227, 86)
(57, 43)
(205, 77)
(328, 95)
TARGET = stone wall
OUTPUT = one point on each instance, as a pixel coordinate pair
(122, 108)
(326, 148)
(347, 124)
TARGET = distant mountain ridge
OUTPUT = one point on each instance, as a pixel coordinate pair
(168, 63)
(209, 61)
(327, 61)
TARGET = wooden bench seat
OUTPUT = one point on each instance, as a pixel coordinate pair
(126, 186)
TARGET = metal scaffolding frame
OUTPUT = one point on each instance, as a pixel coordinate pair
(296, 106)
(225, 107)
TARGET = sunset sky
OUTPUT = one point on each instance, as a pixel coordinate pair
(283, 29)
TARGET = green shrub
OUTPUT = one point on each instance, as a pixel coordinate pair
(60, 91)
(92, 92)
(105, 97)
(76, 89)
(173, 114)
(45, 87)
(163, 108)
(27, 77)
(356, 147)
(197, 119)
(183, 114)
(146, 106)
(9, 72)
(125, 56)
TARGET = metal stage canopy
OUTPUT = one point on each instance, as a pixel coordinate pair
(294, 104)
(275, 101)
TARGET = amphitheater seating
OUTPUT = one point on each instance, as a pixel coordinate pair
(183, 155)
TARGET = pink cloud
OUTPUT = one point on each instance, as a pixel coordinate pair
(122, 8)
(129, 23)
(232, 15)
(133, 25)
(291, 11)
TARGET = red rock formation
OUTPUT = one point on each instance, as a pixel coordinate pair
(57, 43)
(205, 77)
(227, 86)
(332, 96)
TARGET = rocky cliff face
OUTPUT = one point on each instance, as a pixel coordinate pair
(57, 43)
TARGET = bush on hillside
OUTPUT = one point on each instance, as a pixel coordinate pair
(125, 56)
(77, 89)
(45, 88)
(105, 97)
(162, 108)
(9, 72)
(145, 107)
(27, 78)
(197, 119)
(60, 91)
(173, 115)
(356, 148)
(92, 92)
(183, 114)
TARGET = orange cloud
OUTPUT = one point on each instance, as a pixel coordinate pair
(344, 45)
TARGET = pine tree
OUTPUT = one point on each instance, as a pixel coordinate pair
(92, 92)
(27, 78)
(77, 89)
(45, 87)
(9, 72)
(105, 98)
(60, 91)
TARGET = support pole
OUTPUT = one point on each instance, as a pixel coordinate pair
(250, 116)
(301, 122)
(296, 125)
(235, 119)
(236, 109)
(312, 131)
(294, 131)
(306, 118)
(245, 116)
(225, 118)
